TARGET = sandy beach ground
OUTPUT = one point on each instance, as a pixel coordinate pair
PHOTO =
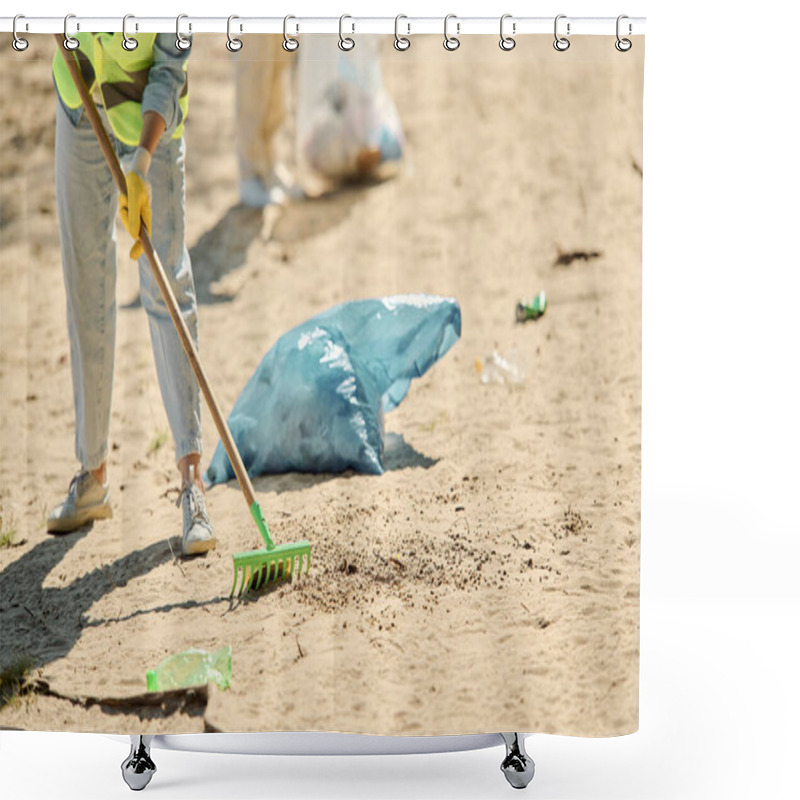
(489, 580)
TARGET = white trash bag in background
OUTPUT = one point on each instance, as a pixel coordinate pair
(348, 127)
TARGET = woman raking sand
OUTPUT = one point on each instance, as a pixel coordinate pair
(142, 96)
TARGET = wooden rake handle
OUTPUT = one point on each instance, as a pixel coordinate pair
(161, 278)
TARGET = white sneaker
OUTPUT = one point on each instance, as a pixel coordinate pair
(198, 532)
(275, 191)
(86, 501)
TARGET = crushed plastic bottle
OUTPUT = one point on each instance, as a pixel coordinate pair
(191, 668)
(533, 309)
(496, 369)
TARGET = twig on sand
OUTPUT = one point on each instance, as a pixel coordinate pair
(392, 560)
(565, 259)
(176, 559)
(299, 649)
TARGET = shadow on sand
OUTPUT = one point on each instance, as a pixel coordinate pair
(223, 249)
(398, 454)
(44, 623)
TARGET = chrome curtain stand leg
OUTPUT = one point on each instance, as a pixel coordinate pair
(138, 768)
(517, 766)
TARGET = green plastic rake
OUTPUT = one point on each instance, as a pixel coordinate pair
(254, 568)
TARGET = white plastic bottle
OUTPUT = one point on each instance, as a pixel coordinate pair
(496, 369)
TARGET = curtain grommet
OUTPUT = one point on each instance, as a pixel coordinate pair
(290, 44)
(129, 43)
(181, 42)
(507, 43)
(233, 44)
(18, 43)
(346, 43)
(70, 42)
(561, 43)
(451, 43)
(401, 43)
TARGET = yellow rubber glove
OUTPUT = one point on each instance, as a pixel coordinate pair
(134, 206)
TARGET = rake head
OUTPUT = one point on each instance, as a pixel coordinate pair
(253, 569)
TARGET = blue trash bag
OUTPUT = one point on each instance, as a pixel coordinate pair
(317, 400)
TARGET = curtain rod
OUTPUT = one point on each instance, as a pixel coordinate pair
(513, 26)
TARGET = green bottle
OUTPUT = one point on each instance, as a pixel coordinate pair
(532, 310)
(191, 668)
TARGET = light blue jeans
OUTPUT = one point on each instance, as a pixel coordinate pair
(87, 210)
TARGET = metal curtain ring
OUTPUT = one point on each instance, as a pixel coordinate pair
(290, 44)
(560, 43)
(70, 42)
(181, 42)
(345, 42)
(401, 42)
(18, 43)
(623, 45)
(506, 42)
(233, 44)
(451, 43)
(128, 42)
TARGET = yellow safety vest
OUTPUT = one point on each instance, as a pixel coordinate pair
(121, 76)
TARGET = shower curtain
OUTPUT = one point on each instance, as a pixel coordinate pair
(474, 551)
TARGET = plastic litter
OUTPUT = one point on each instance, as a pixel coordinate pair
(191, 668)
(532, 309)
(317, 400)
(347, 124)
(496, 369)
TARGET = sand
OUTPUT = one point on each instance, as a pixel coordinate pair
(489, 580)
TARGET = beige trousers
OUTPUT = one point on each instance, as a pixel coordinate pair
(260, 103)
